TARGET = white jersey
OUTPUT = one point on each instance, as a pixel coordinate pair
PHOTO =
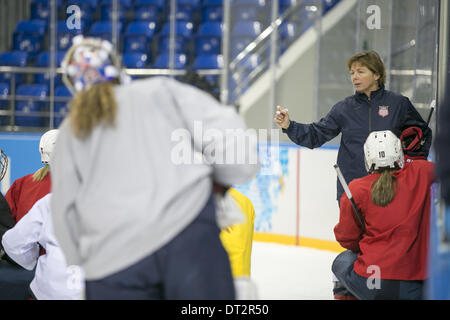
(53, 280)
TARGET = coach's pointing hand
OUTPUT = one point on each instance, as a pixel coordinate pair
(282, 118)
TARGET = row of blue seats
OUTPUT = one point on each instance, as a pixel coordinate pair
(30, 101)
(154, 10)
(138, 36)
(26, 108)
(150, 10)
(129, 60)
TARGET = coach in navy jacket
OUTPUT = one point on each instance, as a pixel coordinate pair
(371, 108)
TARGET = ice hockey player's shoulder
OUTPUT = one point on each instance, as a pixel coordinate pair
(420, 165)
(152, 83)
(362, 183)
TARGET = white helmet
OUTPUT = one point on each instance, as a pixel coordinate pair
(47, 144)
(383, 149)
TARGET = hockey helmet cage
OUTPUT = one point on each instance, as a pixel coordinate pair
(3, 164)
(90, 61)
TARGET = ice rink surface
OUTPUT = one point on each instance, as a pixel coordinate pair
(284, 272)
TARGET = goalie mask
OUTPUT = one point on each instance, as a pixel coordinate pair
(47, 144)
(90, 61)
(3, 164)
(383, 150)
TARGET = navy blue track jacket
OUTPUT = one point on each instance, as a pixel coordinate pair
(442, 146)
(355, 117)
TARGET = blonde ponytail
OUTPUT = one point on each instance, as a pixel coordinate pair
(383, 189)
(41, 173)
(89, 108)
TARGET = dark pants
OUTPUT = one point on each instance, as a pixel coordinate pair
(14, 281)
(193, 265)
(364, 289)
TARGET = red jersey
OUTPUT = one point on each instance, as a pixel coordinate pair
(24, 193)
(396, 238)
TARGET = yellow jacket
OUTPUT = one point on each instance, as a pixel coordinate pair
(237, 239)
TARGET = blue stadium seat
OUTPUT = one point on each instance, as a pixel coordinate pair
(208, 38)
(184, 14)
(250, 62)
(243, 33)
(147, 14)
(193, 4)
(328, 5)
(247, 29)
(185, 9)
(40, 9)
(106, 13)
(135, 60)
(4, 91)
(248, 10)
(64, 35)
(32, 27)
(61, 108)
(148, 10)
(43, 61)
(212, 10)
(182, 28)
(288, 33)
(103, 29)
(13, 59)
(245, 67)
(156, 3)
(307, 18)
(87, 10)
(25, 108)
(4, 103)
(233, 89)
(283, 5)
(123, 3)
(138, 36)
(208, 62)
(162, 61)
(183, 32)
(28, 36)
(86, 4)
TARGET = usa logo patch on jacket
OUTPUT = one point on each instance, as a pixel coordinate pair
(383, 111)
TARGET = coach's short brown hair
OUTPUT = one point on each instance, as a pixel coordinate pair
(372, 61)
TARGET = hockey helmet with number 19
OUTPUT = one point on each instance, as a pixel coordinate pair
(383, 149)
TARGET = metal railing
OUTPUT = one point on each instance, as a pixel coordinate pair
(267, 40)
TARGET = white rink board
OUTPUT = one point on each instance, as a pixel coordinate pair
(284, 219)
(319, 210)
(298, 198)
